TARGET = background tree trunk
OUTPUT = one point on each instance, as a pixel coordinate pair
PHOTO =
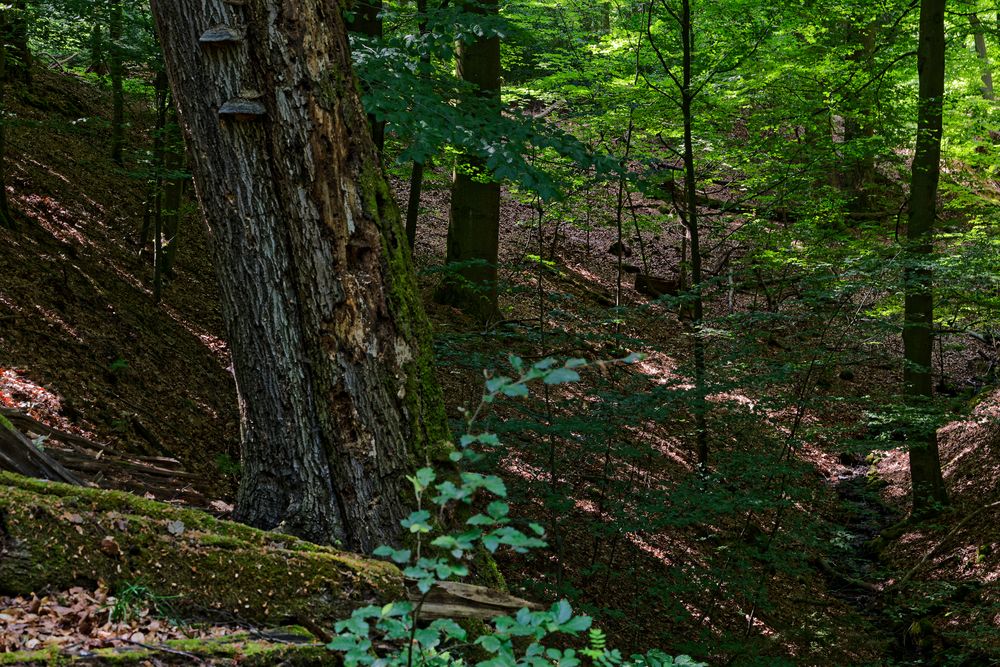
(6, 219)
(417, 170)
(925, 464)
(115, 23)
(368, 22)
(474, 217)
(97, 64)
(980, 39)
(173, 191)
(19, 57)
(694, 235)
(330, 343)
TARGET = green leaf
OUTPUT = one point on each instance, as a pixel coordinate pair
(561, 376)
(495, 485)
(577, 624)
(515, 390)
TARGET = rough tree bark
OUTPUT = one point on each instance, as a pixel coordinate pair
(330, 343)
(474, 216)
(918, 341)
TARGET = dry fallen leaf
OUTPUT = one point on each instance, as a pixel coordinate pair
(110, 547)
(221, 506)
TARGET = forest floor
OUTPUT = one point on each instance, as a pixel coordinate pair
(84, 350)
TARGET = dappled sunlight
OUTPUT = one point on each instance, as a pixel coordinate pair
(19, 391)
(54, 319)
(661, 369)
(214, 344)
(50, 215)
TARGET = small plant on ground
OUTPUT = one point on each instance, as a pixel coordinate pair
(395, 635)
(134, 600)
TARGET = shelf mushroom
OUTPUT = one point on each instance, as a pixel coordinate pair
(244, 108)
(220, 35)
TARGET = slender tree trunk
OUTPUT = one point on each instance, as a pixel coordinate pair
(368, 22)
(691, 213)
(925, 464)
(97, 63)
(162, 101)
(115, 23)
(474, 216)
(859, 121)
(417, 171)
(413, 202)
(980, 39)
(330, 343)
(19, 57)
(6, 219)
(173, 191)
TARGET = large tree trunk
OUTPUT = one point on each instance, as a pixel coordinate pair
(330, 343)
(925, 464)
(474, 217)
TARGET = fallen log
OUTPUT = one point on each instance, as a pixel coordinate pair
(19, 455)
(54, 536)
(27, 423)
(247, 649)
(453, 599)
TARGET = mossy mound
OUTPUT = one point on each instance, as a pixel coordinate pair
(237, 649)
(54, 536)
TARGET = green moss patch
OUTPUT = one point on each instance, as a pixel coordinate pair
(57, 536)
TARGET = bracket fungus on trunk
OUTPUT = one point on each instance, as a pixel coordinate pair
(220, 35)
(245, 107)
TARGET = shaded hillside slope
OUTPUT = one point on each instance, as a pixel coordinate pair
(82, 345)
